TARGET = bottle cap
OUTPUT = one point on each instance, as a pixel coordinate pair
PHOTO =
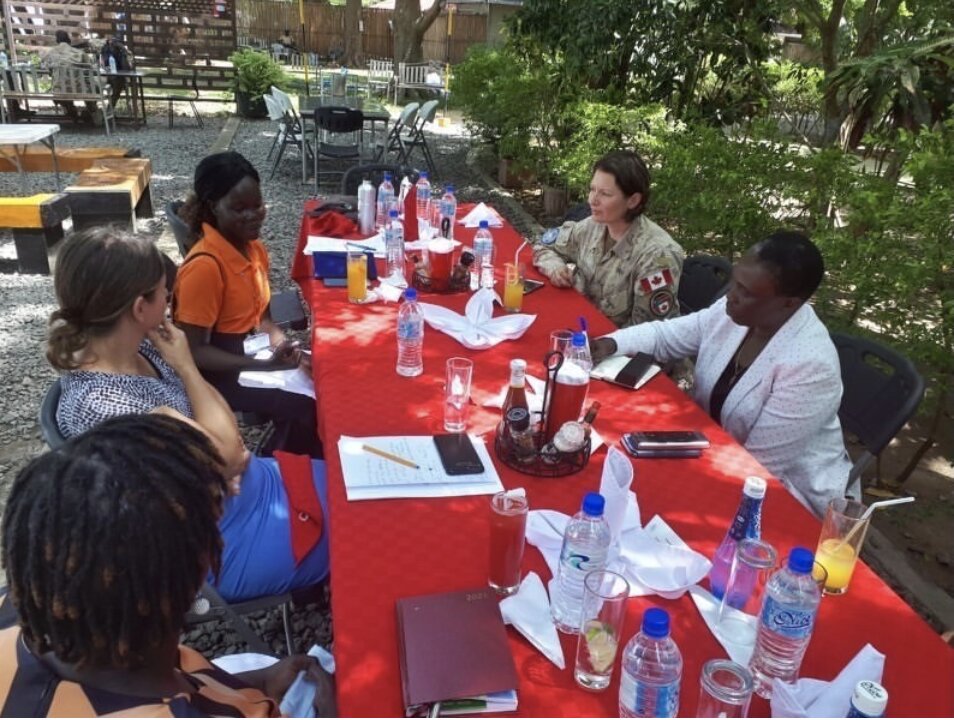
(448, 188)
(387, 174)
(593, 504)
(755, 487)
(869, 698)
(422, 175)
(484, 224)
(467, 258)
(656, 623)
(579, 339)
(800, 560)
(393, 213)
(518, 365)
(518, 418)
(410, 295)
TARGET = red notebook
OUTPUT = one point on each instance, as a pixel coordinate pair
(453, 646)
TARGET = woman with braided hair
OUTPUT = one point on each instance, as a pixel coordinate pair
(105, 542)
(119, 354)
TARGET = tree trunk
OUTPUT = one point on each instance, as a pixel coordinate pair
(834, 115)
(353, 50)
(409, 28)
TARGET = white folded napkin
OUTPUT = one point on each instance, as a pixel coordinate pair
(614, 487)
(481, 212)
(653, 559)
(477, 328)
(528, 610)
(294, 380)
(736, 634)
(810, 698)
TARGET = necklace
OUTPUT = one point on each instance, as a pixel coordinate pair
(737, 367)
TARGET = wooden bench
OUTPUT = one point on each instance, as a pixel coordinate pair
(70, 84)
(112, 191)
(413, 76)
(37, 225)
(39, 159)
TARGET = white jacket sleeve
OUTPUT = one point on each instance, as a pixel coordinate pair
(665, 340)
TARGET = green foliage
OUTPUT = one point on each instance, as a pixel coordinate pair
(255, 73)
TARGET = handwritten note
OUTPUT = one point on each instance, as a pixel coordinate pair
(369, 476)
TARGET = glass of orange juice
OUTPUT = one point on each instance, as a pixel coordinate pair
(842, 535)
(357, 276)
(513, 288)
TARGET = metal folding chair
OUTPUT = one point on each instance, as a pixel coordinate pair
(416, 137)
(394, 142)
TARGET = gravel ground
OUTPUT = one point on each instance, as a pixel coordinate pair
(27, 300)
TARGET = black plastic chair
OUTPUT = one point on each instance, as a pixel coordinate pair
(882, 390)
(331, 121)
(704, 279)
(375, 173)
(47, 419)
(185, 238)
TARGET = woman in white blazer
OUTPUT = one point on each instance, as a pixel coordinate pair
(766, 368)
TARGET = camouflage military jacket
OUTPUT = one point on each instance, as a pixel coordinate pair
(631, 281)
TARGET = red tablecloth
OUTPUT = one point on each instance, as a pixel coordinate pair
(386, 549)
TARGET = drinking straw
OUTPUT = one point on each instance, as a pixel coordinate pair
(871, 508)
(516, 257)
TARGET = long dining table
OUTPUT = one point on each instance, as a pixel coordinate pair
(383, 550)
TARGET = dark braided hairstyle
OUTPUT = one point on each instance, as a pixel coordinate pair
(107, 539)
(215, 176)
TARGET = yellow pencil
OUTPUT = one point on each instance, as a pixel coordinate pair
(392, 458)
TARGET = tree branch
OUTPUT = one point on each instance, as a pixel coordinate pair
(428, 17)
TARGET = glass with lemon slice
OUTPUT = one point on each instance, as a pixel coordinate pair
(604, 607)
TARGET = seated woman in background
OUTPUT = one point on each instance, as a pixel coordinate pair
(119, 355)
(222, 295)
(766, 368)
(105, 543)
(626, 264)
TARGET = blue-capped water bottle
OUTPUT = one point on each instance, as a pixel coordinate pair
(747, 525)
(385, 201)
(423, 194)
(789, 608)
(586, 542)
(410, 336)
(482, 271)
(651, 670)
(448, 208)
(394, 248)
(869, 700)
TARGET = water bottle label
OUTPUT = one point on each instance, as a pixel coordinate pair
(409, 330)
(792, 622)
(447, 209)
(581, 562)
(638, 698)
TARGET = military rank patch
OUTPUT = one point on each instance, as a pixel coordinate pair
(661, 302)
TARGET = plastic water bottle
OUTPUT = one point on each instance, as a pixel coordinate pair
(746, 525)
(786, 622)
(366, 209)
(579, 352)
(651, 670)
(448, 208)
(385, 201)
(586, 543)
(423, 205)
(482, 271)
(410, 334)
(394, 248)
(112, 64)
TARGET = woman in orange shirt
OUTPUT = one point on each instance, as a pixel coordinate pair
(222, 295)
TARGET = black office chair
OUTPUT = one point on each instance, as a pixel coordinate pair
(340, 121)
(375, 173)
(185, 238)
(209, 605)
(882, 390)
(704, 279)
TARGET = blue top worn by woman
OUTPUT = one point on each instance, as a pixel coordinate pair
(257, 558)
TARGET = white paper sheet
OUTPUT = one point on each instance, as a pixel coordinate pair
(295, 380)
(370, 477)
(320, 243)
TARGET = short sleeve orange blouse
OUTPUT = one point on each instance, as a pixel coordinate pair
(220, 288)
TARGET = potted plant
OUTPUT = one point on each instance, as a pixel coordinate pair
(255, 73)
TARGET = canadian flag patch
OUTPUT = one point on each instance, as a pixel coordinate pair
(656, 281)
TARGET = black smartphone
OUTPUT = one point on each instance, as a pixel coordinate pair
(458, 455)
(530, 286)
(627, 443)
(667, 440)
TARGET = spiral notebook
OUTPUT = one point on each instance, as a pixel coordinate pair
(629, 372)
(454, 652)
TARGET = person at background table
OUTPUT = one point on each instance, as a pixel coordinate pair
(626, 264)
(287, 41)
(59, 57)
(766, 367)
(119, 355)
(114, 48)
(222, 295)
(105, 543)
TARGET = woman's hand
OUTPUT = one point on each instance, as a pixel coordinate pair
(561, 277)
(602, 348)
(286, 356)
(276, 336)
(172, 345)
(275, 680)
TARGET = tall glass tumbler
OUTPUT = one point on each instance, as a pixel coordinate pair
(601, 627)
(752, 565)
(842, 535)
(508, 527)
(726, 690)
(357, 272)
(460, 372)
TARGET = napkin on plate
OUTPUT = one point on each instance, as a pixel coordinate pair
(810, 698)
(477, 328)
(481, 212)
(653, 559)
(736, 634)
(528, 610)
